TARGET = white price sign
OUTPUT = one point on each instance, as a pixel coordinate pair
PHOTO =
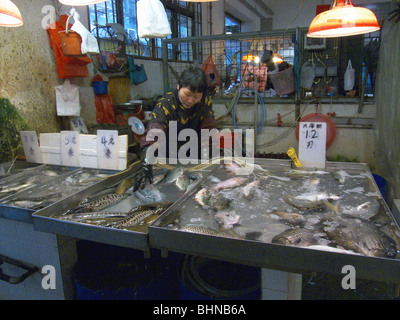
(69, 146)
(312, 144)
(31, 146)
(107, 149)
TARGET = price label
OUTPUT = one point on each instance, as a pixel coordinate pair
(107, 149)
(77, 124)
(69, 146)
(312, 144)
(31, 146)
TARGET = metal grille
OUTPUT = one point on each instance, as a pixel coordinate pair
(232, 57)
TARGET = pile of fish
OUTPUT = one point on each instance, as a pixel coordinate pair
(50, 187)
(108, 208)
(333, 211)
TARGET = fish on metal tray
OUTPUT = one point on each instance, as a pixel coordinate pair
(361, 236)
(202, 196)
(227, 218)
(218, 202)
(293, 218)
(248, 189)
(101, 202)
(295, 237)
(123, 186)
(182, 182)
(92, 215)
(173, 175)
(136, 216)
(310, 201)
(225, 233)
(149, 193)
(229, 183)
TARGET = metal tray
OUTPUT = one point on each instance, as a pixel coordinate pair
(46, 220)
(165, 235)
(49, 190)
(13, 167)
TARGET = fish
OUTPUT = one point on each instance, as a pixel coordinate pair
(227, 218)
(28, 204)
(50, 173)
(182, 182)
(230, 183)
(329, 249)
(360, 236)
(232, 167)
(310, 201)
(173, 175)
(211, 232)
(100, 203)
(123, 186)
(295, 237)
(218, 202)
(92, 215)
(293, 218)
(249, 188)
(149, 193)
(15, 188)
(202, 196)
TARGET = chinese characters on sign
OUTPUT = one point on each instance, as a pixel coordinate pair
(69, 145)
(312, 144)
(31, 146)
(107, 149)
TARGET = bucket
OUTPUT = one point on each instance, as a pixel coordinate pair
(106, 272)
(208, 279)
(283, 81)
(226, 140)
(382, 185)
(100, 87)
(71, 42)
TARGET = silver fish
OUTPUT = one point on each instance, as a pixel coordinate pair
(202, 197)
(295, 237)
(211, 232)
(173, 175)
(293, 218)
(182, 182)
(230, 183)
(149, 193)
(101, 202)
(92, 215)
(249, 188)
(361, 236)
(227, 218)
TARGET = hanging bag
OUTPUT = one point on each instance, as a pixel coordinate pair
(152, 19)
(349, 77)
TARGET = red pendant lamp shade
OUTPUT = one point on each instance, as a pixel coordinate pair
(343, 19)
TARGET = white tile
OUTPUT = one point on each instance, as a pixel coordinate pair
(269, 294)
(274, 279)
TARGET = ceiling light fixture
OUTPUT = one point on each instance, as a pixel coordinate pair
(343, 19)
(80, 2)
(9, 14)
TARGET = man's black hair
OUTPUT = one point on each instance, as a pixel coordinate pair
(194, 78)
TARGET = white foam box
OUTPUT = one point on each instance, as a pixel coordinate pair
(88, 151)
(50, 148)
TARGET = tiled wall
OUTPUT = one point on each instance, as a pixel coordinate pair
(21, 242)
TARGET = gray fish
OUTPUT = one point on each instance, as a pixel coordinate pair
(92, 215)
(218, 202)
(293, 218)
(173, 175)
(101, 202)
(149, 193)
(227, 218)
(182, 181)
(360, 236)
(202, 196)
(295, 237)
(211, 232)
(134, 219)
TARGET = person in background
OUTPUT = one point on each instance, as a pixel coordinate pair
(190, 105)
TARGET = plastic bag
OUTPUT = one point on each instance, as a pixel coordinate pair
(209, 68)
(307, 75)
(349, 77)
(104, 108)
(67, 99)
(89, 42)
(152, 19)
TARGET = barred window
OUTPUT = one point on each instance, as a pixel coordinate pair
(184, 18)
